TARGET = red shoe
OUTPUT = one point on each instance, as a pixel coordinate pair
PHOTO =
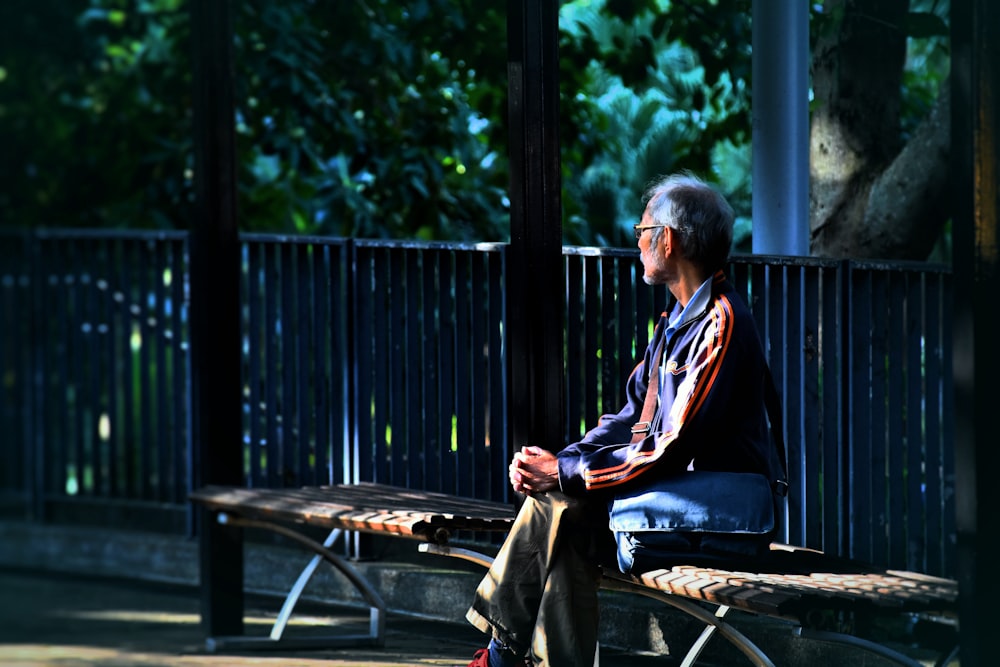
(481, 658)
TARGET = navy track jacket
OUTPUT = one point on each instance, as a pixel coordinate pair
(712, 410)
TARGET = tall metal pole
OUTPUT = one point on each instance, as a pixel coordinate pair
(780, 113)
(535, 275)
(975, 87)
(215, 315)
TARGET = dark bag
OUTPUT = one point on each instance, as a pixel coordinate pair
(699, 511)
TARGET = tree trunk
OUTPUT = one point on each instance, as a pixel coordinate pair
(870, 196)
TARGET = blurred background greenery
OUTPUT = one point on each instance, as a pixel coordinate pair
(380, 118)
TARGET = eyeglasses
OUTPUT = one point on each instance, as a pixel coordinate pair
(639, 229)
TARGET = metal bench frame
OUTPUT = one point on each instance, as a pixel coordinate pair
(695, 592)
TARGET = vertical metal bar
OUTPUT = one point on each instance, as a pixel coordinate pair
(759, 305)
(627, 315)
(447, 324)
(115, 357)
(398, 293)
(381, 389)
(835, 378)
(876, 467)
(913, 511)
(340, 304)
(39, 465)
(415, 399)
(498, 395)
(256, 353)
(286, 354)
(15, 360)
(793, 401)
(860, 416)
(814, 444)
(898, 344)
(535, 327)
(466, 455)
(364, 296)
(111, 360)
(596, 401)
(57, 386)
(165, 472)
(484, 472)
(70, 384)
(608, 331)
(576, 385)
(215, 319)
(147, 441)
(90, 384)
(948, 440)
(435, 441)
(272, 363)
(324, 406)
(306, 369)
(774, 292)
(932, 452)
(180, 406)
(127, 453)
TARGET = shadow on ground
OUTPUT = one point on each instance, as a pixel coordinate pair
(67, 621)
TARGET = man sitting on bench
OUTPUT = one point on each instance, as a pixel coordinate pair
(538, 601)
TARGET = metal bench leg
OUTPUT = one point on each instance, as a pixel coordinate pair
(734, 636)
(296, 592)
(377, 609)
(850, 640)
(699, 645)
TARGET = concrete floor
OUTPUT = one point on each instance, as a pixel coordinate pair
(59, 620)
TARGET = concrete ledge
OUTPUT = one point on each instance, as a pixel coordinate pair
(425, 586)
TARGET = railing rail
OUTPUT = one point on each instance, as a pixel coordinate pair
(384, 361)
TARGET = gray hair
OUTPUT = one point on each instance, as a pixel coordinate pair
(700, 216)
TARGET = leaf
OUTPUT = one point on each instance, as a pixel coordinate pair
(923, 25)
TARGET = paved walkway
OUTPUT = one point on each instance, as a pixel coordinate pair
(63, 621)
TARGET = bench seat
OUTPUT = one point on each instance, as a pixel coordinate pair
(826, 598)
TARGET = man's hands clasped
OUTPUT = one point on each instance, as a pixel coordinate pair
(534, 470)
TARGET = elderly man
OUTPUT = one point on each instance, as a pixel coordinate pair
(538, 602)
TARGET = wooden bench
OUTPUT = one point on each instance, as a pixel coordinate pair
(824, 598)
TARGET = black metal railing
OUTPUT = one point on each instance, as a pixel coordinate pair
(383, 361)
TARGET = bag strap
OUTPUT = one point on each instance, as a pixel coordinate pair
(771, 401)
(642, 427)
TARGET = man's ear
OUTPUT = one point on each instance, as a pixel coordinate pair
(667, 239)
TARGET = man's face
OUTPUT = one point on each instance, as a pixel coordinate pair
(653, 256)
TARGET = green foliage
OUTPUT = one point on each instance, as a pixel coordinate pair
(92, 115)
(668, 88)
(358, 119)
(362, 119)
(382, 118)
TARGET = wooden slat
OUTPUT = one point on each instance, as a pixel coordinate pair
(367, 507)
(794, 584)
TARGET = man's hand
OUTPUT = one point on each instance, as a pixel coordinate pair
(534, 470)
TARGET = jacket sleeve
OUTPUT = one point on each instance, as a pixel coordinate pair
(695, 394)
(612, 430)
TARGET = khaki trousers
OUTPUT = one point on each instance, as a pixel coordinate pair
(540, 595)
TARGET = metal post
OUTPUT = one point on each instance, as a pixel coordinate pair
(215, 331)
(534, 264)
(780, 114)
(975, 84)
